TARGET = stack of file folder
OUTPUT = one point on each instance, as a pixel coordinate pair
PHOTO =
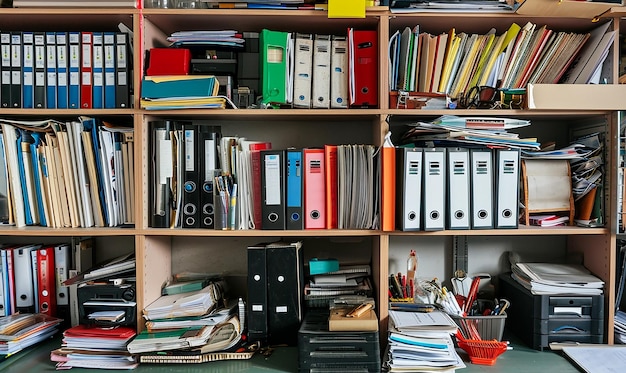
(182, 92)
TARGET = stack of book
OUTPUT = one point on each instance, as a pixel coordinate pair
(95, 347)
(19, 331)
(421, 342)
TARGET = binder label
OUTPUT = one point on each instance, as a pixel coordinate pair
(272, 179)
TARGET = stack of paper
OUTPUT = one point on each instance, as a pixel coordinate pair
(556, 278)
(94, 347)
(347, 281)
(450, 130)
(195, 303)
(19, 331)
(202, 335)
(421, 342)
(218, 38)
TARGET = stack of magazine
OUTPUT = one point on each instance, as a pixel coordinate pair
(557, 278)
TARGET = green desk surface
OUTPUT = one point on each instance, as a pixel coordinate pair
(520, 359)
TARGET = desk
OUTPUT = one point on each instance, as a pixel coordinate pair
(521, 359)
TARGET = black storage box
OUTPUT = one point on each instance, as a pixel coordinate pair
(540, 319)
(323, 351)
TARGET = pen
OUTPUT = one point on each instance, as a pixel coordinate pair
(471, 296)
(233, 208)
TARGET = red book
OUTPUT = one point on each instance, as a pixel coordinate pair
(46, 281)
(11, 285)
(86, 70)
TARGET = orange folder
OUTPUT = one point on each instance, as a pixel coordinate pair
(388, 189)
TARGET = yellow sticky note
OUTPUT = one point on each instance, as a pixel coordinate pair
(346, 8)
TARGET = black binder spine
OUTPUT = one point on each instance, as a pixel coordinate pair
(122, 71)
(5, 69)
(191, 187)
(161, 196)
(285, 289)
(257, 294)
(39, 90)
(273, 189)
(209, 166)
(16, 69)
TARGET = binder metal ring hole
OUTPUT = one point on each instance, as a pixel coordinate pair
(207, 208)
(295, 216)
(507, 213)
(482, 214)
(190, 186)
(412, 215)
(364, 90)
(208, 187)
(315, 214)
(190, 220)
(459, 214)
(208, 221)
(434, 215)
(189, 209)
(273, 217)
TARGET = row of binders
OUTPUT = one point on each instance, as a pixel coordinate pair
(201, 179)
(67, 174)
(457, 188)
(65, 70)
(320, 71)
(29, 275)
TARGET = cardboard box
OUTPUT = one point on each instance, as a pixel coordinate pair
(576, 96)
(339, 322)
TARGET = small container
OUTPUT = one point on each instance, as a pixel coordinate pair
(482, 352)
(488, 327)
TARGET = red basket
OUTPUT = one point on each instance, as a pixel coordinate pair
(482, 352)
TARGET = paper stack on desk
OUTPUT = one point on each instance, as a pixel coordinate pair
(94, 347)
(556, 278)
(421, 342)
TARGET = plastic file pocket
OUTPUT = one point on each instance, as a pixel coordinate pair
(488, 327)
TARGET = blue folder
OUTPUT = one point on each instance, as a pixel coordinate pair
(155, 87)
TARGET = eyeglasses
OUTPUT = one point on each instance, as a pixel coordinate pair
(479, 97)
